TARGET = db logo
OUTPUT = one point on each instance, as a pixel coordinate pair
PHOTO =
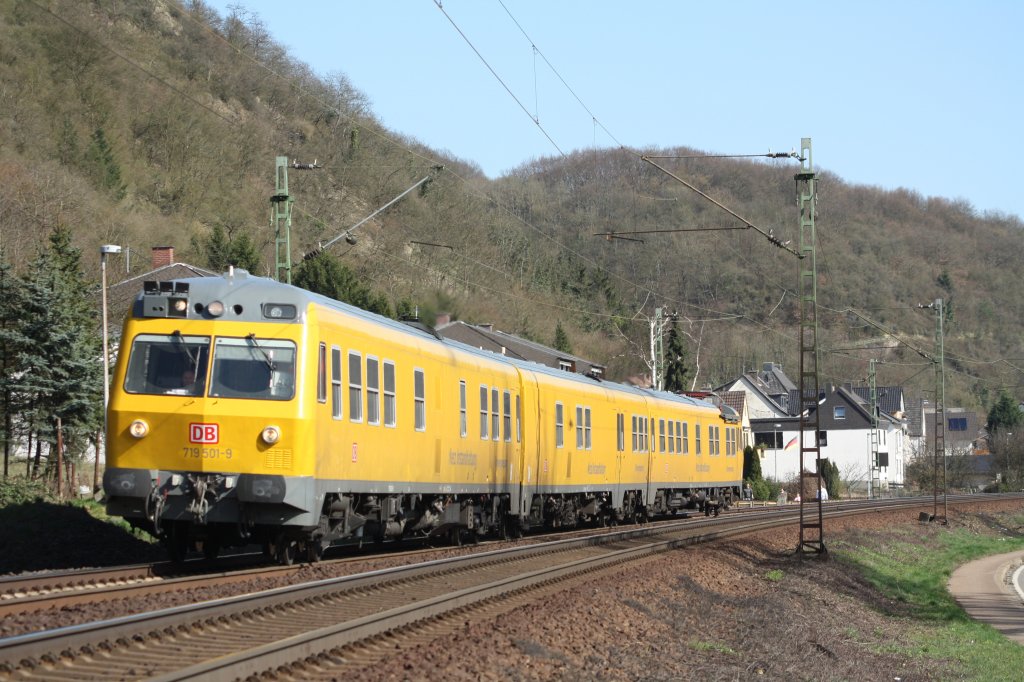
(203, 433)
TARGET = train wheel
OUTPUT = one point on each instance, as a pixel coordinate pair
(286, 550)
(455, 537)
(314, 551)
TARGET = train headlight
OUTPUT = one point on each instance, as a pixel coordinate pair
(271, 435)
(139, 428)
(215, 309)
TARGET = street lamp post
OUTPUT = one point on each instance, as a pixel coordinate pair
(105, 250)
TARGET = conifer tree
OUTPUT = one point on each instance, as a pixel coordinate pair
(675, 361)
(1004, 414)
(323, 274)
(561, 339)
(221, 250)
(101, 163)
(12, 343)
(61, 372)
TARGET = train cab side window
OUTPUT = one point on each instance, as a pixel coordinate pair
(506, 415)
(559, 425)
(579, 427)
(355, 387)
(420, 398)
(372, 390)
(390, 404)
(483, 413)
(336, 410)
(495, 416)
(588, 441)
(321, 374)
(620, 429)
(462, 409)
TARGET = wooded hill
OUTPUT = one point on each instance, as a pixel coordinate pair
(146, 123)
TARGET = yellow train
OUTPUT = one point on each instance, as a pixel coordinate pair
(244, 411)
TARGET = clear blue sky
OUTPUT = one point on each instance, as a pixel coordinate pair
(920, 94)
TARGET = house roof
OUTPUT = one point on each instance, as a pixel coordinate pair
(963, 428)
(890, 398)
(483, 336)
(915, 417)
(737, 400)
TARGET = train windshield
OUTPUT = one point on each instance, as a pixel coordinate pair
(168, 364)
(262, 369)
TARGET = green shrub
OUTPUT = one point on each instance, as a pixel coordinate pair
(19, 490)
(765, 490)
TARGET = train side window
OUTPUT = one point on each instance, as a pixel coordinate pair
(519, 423)
(579, 427)
(686, 439)
(671, 437)
(483, 413)
(495, 415)
(355, 387)
(633, 431)
(462, 409)
(559, 425)
(696, 438)
(321, 374)
(372, 390)
(661, 435)
(390, 404)
(620, 431)
(588, 442)
(420, 398)
(335, 382)
(506, 414)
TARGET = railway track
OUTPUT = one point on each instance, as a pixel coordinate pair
(318, 628)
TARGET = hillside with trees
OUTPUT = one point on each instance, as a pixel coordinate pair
(145, 123)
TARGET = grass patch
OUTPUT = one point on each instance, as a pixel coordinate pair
(774, 575)
(711, 646)
(913, 574)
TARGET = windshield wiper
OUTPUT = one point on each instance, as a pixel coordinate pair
(266, 357)
(194, 360)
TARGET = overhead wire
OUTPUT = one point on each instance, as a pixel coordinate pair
(377, 133)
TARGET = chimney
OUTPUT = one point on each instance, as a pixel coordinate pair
(162, 255)
(442, 319)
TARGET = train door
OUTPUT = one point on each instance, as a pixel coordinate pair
(528, 427)
(652, 441)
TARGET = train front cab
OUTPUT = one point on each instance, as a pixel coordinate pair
(204, 437)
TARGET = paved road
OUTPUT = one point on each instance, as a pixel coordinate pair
(992, 590)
